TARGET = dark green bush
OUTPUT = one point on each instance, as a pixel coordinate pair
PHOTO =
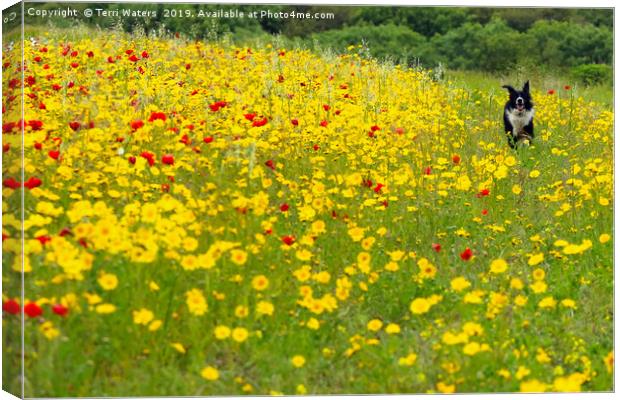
(491, 47)
(592, 74)
(385, 41)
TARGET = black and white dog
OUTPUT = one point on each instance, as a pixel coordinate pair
(519, 116)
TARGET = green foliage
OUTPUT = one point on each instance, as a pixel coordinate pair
(592, 74)
(384, 41)
(563, 44)
(425, 20)
(491, 47)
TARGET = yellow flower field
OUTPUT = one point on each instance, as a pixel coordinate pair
(206, 219)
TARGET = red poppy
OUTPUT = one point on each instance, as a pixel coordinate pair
(427, 170)
(8, 127)
(74, 125)
(485, 212)
(208, 139)
(188, 66)
(35, 125)
(42, 106)
(260, 122)
(165, 188)
(550, 91)
(185, 140)
(145, 54)
(59, 309)
(133, 58)
(567, 87)
(270, 164)
(11, 306)
(65, 232)
(32, 310)
(137, 124)
(326, 107)
(378, 188)
(37, 59)
(217, 105)
(74, 53)
(32, 182)
(288, 240)
(315, 147)
(483, 193)
(167, 159)
(466, 254)
(54, 154)
(111, 60)
(56, 86)
(456, 159)
(323, 123)
(74, 65)
(436, 247)
(284, 207)
(367, 183)
(150, 157)
(44, 239)
(295, 122)
(249, 116)
(90, 54)
(157, 115)
(374, 128)
(6, 147)
(11, 183)
(132, 160)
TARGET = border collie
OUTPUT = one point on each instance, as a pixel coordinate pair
(519, 116)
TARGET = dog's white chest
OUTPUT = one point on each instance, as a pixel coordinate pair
(519, 119)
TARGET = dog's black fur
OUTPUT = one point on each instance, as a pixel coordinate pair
(519, 115)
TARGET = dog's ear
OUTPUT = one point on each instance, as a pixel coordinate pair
(511, 90)
(526, 87)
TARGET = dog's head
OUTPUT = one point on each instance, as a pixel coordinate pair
(520, 99)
